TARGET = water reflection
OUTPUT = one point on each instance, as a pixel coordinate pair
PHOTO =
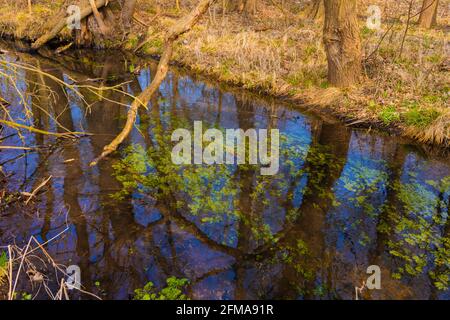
(342, 200)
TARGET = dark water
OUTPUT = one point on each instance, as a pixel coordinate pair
(343, 199)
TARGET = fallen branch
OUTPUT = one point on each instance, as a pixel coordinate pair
(3, 102)
(35, 191)
(182, 26)
(15, 148)
(136, 18)
(32, 129)
(62, 23)
(103, 28)
(63, 48)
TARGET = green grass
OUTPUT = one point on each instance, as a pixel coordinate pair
(154, 46)
(3, 266)
(421, 118)
(389, 114)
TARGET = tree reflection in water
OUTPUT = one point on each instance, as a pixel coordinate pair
(342, 200)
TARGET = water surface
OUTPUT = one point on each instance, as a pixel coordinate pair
(344, 199)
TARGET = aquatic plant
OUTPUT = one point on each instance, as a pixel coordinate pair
(172, 291)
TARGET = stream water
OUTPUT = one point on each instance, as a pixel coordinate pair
(343, 199)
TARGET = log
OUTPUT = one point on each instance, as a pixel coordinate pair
(85, 12)
(181, 26)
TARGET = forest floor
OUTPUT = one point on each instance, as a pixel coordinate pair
(279, 51)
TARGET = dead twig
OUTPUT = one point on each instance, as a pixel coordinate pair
(35, 191)
(29, 260)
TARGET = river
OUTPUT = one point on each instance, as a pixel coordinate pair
(344, 199)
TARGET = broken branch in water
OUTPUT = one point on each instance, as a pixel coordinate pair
(182, 26)
(63, 48)
(32, 194)
(32, 129)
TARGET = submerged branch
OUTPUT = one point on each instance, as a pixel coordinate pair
(182, 26)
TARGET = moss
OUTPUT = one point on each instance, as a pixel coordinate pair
(153, 46)
(366, 32)
(307, 79)
(373, 106)
(132, 42)
(3, 267)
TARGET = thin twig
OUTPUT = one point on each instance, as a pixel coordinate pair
(43, 183)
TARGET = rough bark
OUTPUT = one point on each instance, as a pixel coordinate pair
(182, 26)
(428, 13)
(127, 12)
(342, 41)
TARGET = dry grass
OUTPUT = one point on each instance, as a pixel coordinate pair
(33, 267)
(284, 56)
(280, 52)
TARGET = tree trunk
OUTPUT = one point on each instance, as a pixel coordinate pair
(428, 13)
(127, 12)
(315, 10)
(342, 42)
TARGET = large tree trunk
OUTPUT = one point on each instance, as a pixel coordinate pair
(342, 42)
(428, 13)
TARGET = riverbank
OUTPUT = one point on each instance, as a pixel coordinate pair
(279, 52)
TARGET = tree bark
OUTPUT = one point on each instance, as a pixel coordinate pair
(342, 41)
(428, 13)
(127, 12)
